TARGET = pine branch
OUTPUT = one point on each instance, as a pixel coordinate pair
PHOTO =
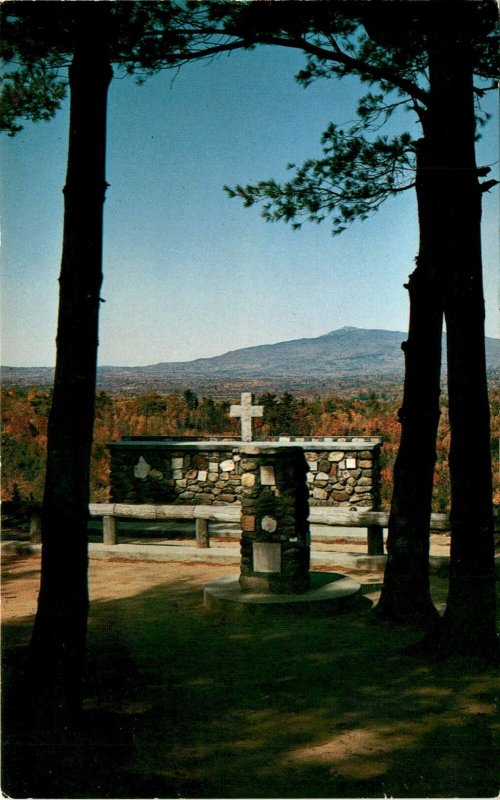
(351, 182)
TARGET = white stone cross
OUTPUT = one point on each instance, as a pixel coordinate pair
(246, 411)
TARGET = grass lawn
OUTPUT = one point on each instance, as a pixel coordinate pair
(183, 702)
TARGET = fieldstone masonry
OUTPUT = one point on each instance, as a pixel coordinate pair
(341, 471)
(275, 540)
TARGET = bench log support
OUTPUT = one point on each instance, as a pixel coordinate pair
(202, 534)
(36, 528)
(108, 529)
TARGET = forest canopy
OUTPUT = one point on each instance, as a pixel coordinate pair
(362, 411)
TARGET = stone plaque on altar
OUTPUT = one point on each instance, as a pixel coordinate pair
(266, 557)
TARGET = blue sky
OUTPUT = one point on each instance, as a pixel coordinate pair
(188, 272)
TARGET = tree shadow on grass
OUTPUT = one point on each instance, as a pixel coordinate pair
(183, 702)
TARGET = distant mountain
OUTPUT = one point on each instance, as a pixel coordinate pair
(351, 355)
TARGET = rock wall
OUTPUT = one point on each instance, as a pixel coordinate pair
(341, 472)
(275, 541)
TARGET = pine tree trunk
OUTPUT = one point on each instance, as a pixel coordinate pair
(469, 621)
(405, 593)
(58, 640)
(450, 258)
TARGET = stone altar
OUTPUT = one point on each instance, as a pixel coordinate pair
(275, 540)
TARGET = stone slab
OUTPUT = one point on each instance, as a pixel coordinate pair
(330, 590)
(267, 476)
(266, 557)
(210, 444)
(222, 555)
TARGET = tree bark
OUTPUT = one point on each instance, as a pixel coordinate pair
(469, 621)
(58, 639)
(405, 593)
(449, 280)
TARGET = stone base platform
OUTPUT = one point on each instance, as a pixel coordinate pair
(328, 591)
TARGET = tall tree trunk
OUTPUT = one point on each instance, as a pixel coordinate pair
(58, 640)
(405, 593)
(450, 277)
(469, 621)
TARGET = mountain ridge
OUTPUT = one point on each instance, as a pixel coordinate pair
(344, 354)
(265, 347)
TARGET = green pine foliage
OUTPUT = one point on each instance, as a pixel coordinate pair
(351, 181)
(359, 167)
(37, 42)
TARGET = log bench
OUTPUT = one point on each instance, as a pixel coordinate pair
(373, 521)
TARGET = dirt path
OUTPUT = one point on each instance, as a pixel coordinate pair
(183, 702)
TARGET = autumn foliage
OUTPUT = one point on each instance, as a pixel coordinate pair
(358, 411)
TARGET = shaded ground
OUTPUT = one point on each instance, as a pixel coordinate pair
(183, 702)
